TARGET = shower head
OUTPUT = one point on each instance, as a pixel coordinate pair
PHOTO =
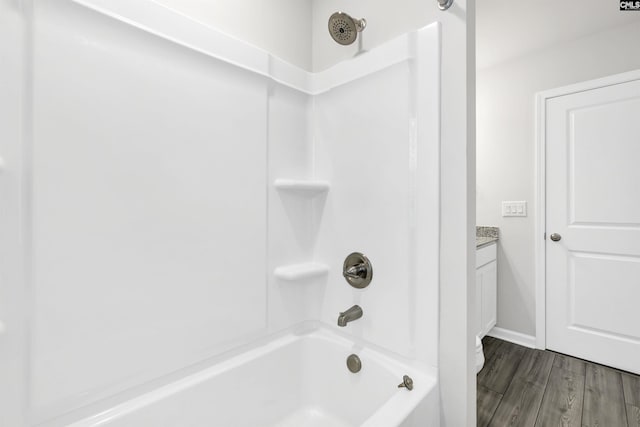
(344, 29)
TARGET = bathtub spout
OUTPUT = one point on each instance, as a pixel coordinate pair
(350, 315)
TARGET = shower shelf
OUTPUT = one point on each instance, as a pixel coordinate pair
(305, 270)
(311, 187)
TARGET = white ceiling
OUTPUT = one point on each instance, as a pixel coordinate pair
(506, 29)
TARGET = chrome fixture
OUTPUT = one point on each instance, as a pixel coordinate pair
(344, 29)
(407, 383)
(357, 270)
(444, 4)
(555, 237)
(353, 363)
(350, 315)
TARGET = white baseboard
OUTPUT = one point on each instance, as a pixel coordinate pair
(514, 337)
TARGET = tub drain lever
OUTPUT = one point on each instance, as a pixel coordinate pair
(407, 383)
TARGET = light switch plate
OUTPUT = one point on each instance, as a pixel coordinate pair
(514, 208)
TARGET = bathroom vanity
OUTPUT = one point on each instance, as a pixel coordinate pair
(486, 279)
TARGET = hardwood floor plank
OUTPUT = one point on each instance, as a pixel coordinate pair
(603, 398)
(488, 401)
(562, 401)
(521, 401)
(633, 414)
(568, 363)
(519, 406)
(631, 384)
(487, 339)
(489, 345)
(501, 366)
(524, 387)
(535, 367)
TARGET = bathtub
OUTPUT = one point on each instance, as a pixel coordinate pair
(296, 380)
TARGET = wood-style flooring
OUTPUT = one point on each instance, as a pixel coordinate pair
(519, 386)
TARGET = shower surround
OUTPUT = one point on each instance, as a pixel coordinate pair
(186, 203)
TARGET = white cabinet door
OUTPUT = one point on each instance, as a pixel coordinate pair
(486, 289)
(479, 303)
(489, 273)
(593, 208)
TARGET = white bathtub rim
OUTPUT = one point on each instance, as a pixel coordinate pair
(215, 366)
(404, 401)
(402, 404)
(393, 412)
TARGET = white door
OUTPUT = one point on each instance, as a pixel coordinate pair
(593, 207)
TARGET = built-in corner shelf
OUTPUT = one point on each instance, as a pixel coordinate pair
(310, 187)
(301, 271)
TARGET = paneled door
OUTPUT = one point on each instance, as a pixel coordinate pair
(593, 224)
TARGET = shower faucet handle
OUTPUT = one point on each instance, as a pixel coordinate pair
(358, 271)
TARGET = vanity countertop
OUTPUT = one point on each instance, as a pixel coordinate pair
(486, 236)
(485, 241)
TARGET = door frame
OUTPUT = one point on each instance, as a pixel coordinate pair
(540, 186)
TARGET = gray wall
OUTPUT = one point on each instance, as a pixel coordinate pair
(280, 27)
(506, 149)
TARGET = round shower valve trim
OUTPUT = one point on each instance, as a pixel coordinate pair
(357, 270)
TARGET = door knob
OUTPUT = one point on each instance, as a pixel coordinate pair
(555, 237)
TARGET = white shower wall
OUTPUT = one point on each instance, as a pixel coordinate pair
(148, 219)
(131, 278)
(367, 143)
(292, 233)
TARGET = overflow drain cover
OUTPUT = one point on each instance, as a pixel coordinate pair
(353, 363)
